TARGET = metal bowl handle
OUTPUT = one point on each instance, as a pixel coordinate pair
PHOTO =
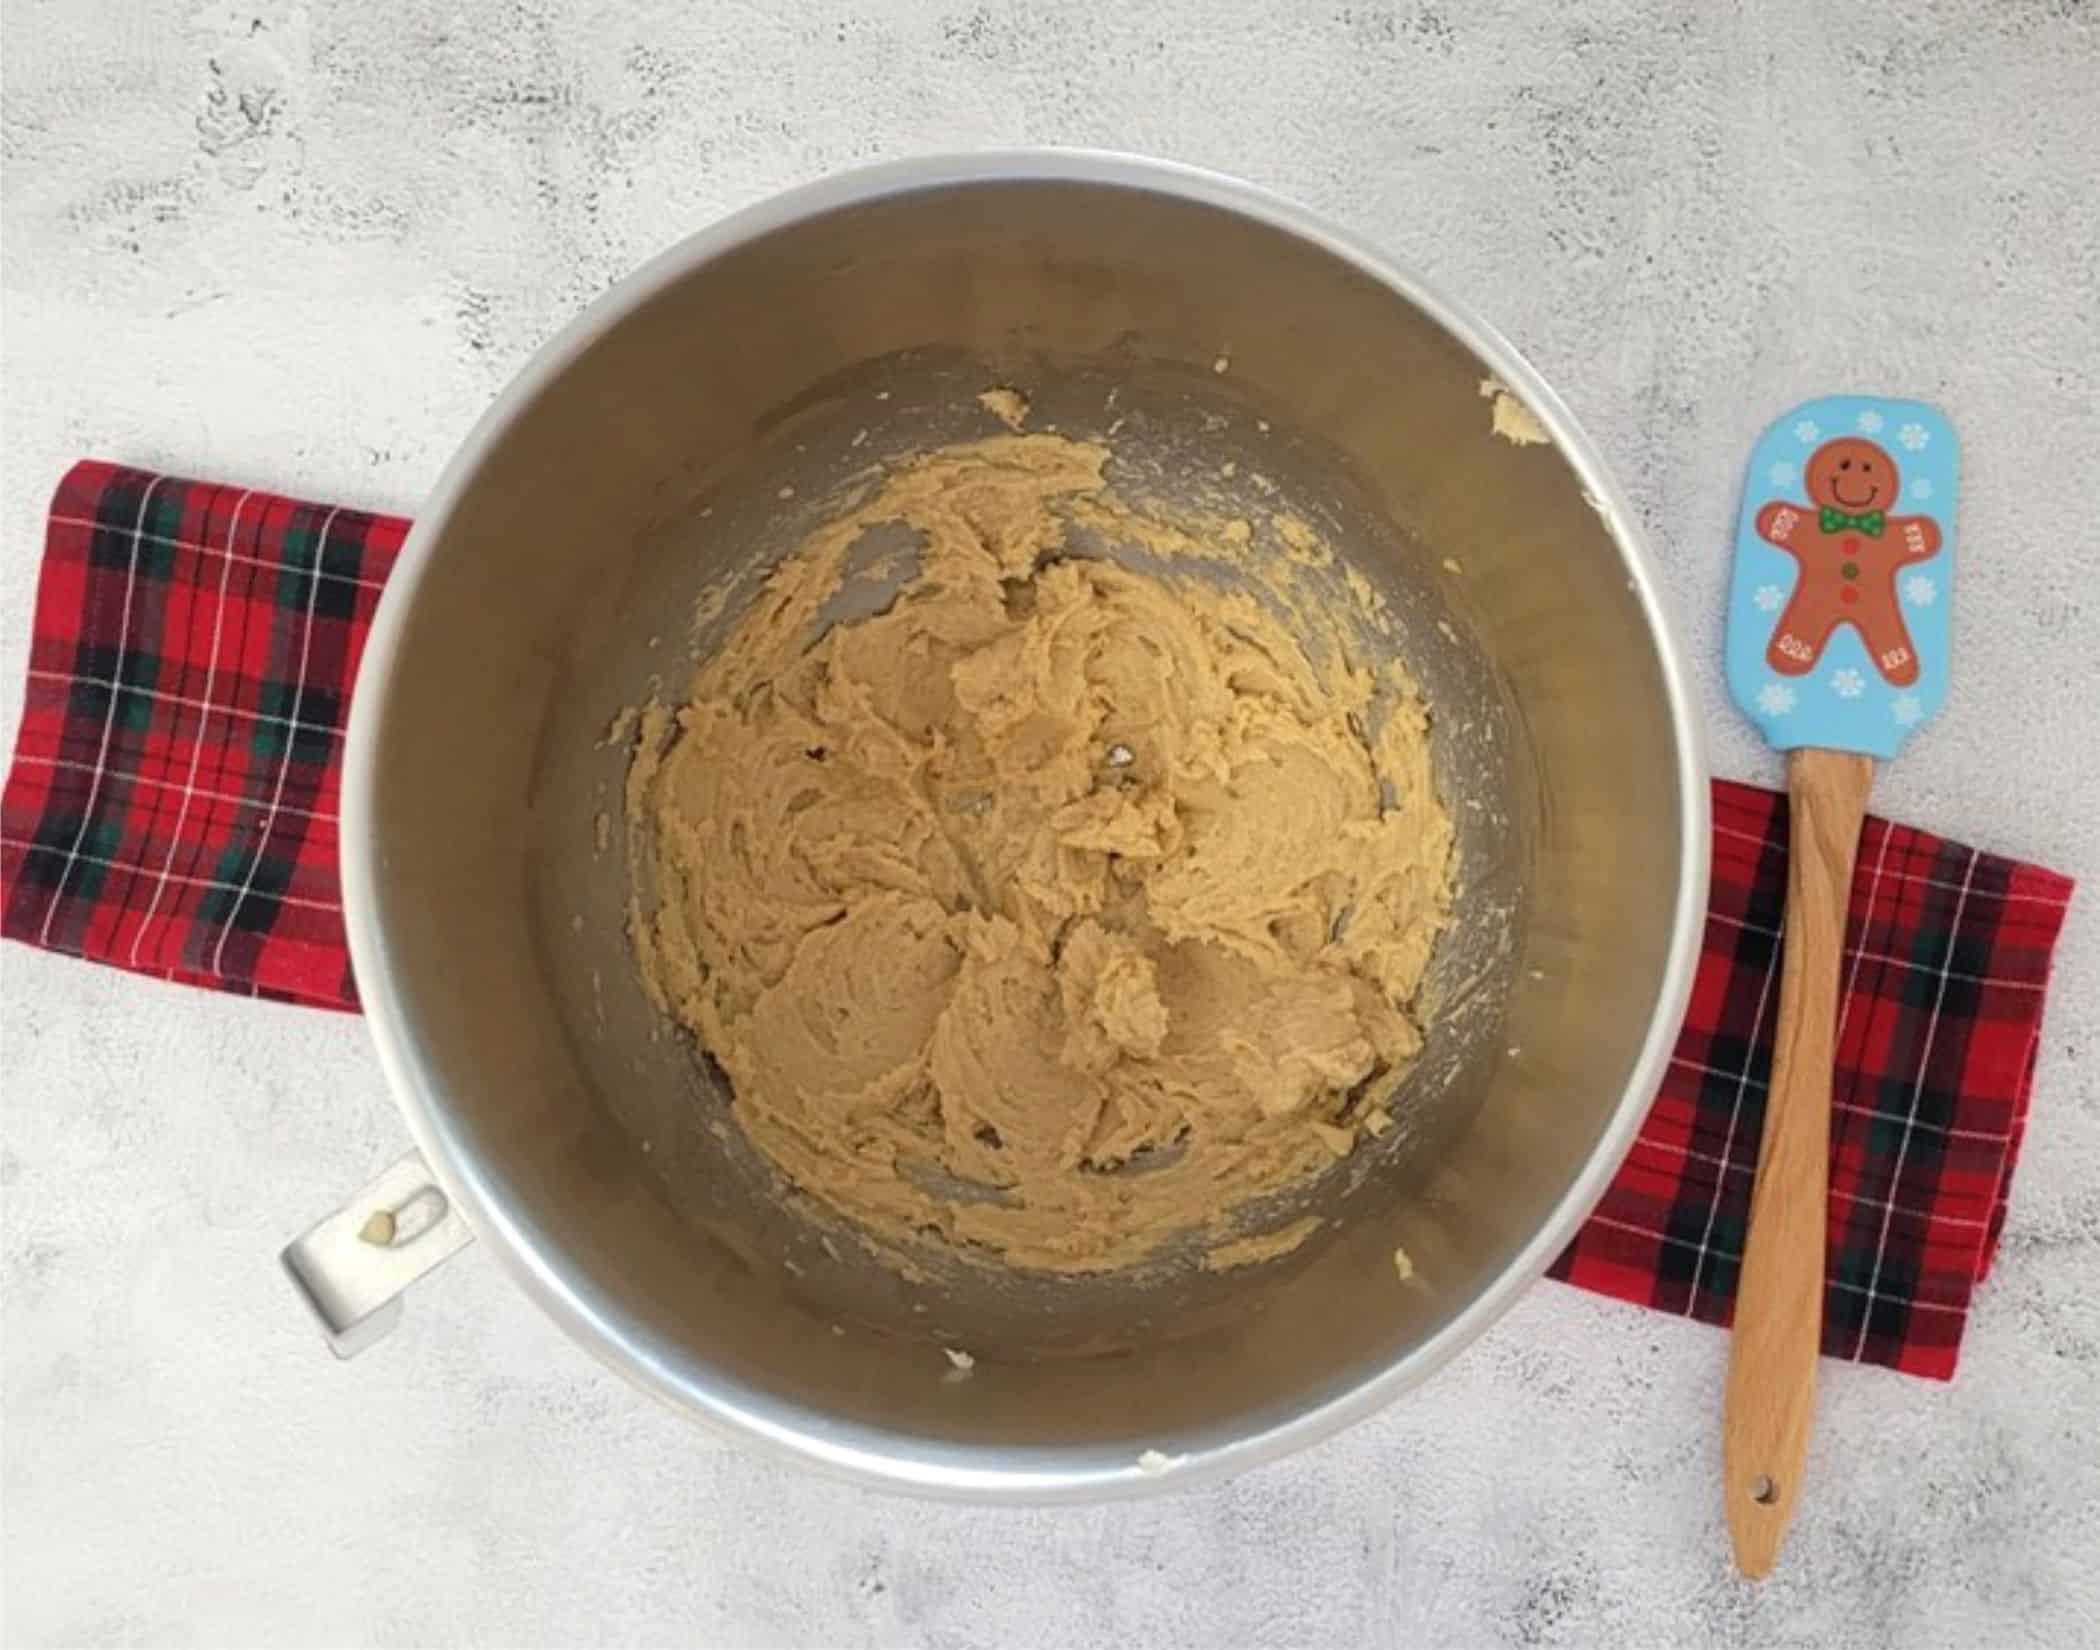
(352, 1267)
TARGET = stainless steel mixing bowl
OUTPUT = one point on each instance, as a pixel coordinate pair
(644, 452)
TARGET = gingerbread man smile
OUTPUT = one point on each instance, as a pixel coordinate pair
(1850, 551)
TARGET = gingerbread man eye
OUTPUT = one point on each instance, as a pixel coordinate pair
(1866, 464)
(1844, 464)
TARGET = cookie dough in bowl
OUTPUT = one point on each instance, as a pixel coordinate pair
(1064, 903)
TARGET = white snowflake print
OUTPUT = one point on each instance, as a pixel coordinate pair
(1921, 489)
(1775, 699)
(1768, 598)
(1914, 437)
(1807, 430)
(1847, 684)
(1907, 710)
(1870, 421)
(1920, 591)
(1780, 474)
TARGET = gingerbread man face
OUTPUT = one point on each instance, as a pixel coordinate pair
(1853, 475)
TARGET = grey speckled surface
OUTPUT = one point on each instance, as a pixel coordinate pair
(299, 245)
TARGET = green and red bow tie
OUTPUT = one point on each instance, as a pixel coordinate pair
(1869, 522)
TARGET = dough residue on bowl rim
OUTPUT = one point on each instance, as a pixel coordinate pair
(1509, 418)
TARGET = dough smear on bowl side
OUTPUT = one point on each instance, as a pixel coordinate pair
(1059, 909)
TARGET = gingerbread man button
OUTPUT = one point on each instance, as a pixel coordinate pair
(1844, 556)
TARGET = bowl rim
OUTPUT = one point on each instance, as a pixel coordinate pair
(856, 1452)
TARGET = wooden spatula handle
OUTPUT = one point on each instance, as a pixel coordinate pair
(1779, 1299)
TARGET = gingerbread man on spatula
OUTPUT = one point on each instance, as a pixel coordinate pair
(1851, 551)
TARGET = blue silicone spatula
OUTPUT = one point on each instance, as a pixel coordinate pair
(1838, 651)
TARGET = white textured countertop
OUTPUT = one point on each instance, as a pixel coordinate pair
(300, 245)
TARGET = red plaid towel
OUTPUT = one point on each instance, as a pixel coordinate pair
(172, 804)
(1947, 955)
(172, 809)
